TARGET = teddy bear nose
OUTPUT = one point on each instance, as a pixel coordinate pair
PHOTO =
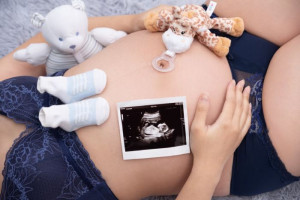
(72, 46)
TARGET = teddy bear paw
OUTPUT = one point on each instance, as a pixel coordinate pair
(237, 27)
(150, 21)
(222, 47)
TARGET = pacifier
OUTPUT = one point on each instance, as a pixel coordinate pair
(164, 62)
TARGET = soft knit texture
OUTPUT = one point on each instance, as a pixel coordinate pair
(73, 88)
(16, 28)
(73, 116)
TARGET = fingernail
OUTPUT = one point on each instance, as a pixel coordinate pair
(232, 83)
(241, 83)
(204, 97)
(247, 89)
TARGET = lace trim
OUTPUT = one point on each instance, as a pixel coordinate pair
(19, 168)
(256, 83)
(37, 143)
(259, 127)
(81, 156)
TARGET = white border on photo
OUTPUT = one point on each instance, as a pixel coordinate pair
(160, 152)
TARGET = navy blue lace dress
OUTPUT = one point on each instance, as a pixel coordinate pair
(44, 163)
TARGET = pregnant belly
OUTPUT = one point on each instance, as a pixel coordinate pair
(131, 76)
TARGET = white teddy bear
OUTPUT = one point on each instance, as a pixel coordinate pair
(65, 28)
(69, 42)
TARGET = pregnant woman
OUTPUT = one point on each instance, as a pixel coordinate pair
(267, 159)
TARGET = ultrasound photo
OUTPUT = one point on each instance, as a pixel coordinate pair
(153, 128)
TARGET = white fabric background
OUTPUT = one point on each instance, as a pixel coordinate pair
(15, 28)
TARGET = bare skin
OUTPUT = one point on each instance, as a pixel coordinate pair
(281, 96)
(281, 85)
(168, 180)
(233, 122)
(269, 18)
(145, 82)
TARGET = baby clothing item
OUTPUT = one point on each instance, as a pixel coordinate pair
(45, 163)
(73, 116)
(73, 88)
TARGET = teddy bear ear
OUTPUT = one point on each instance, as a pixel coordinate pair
(78, 4)
(37, 20)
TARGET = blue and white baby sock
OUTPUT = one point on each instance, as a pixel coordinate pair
(73, 116)
(76, 113)
(73, 88)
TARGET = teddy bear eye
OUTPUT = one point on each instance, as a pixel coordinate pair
(182, 32)
(77, 33)
(60, 39)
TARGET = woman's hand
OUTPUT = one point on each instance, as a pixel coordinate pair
(212, 145)
(215, 143)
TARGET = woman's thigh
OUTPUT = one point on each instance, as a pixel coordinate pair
(279, 31)
(281, 105)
